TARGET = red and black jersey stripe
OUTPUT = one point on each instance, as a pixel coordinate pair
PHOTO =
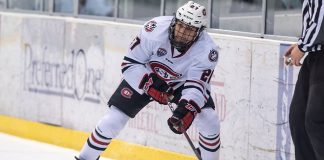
(128, 62)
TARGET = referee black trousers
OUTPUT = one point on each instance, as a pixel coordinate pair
(306, 115)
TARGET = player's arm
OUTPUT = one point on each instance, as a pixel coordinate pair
(197, 84)
(137, 74)
(194, 95)
(134, 63)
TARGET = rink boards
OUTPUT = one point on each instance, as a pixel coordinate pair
(61, 71)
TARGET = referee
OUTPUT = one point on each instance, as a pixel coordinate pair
(306, 116)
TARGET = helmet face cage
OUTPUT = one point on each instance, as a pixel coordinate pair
(183, 38)
(192, 19)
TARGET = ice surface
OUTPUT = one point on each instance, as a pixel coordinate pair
(16, 148)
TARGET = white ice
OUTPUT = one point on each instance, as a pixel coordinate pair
(16, 148)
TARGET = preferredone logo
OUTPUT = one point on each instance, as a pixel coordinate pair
(71, 76)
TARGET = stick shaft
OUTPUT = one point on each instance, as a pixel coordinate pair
(192, 146)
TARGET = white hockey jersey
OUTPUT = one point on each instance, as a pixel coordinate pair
(151, 51)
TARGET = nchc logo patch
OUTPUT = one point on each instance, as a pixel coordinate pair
(213, 55)
(161, 52)
(149, 26)
(126, 92)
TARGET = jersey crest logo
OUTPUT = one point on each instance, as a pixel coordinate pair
(163, 71)
(213, 55)
(149, 26)
(161, 52)
(126, 92)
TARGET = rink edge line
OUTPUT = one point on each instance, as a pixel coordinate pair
(74, 139)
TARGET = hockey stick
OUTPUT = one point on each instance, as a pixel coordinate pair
(186, 135)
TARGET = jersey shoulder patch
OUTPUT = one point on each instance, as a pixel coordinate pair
(213, 55)
(207, 49)
(150, 26)
(206, 52)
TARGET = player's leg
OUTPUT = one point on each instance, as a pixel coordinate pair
(303, 147)
(124, 104)
(107, 129)
(315, 106)
(208, 125)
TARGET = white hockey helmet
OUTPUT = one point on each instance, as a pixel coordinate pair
(192, 14)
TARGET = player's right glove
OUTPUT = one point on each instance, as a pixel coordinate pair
(157, 88)
(183, 116)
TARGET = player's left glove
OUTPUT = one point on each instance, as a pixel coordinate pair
(182, 117)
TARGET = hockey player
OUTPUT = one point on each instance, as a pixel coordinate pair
(172, 56)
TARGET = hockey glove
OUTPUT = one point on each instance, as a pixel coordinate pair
(182, 117)
(158, 89)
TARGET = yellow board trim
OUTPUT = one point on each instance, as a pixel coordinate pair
(74, 139)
